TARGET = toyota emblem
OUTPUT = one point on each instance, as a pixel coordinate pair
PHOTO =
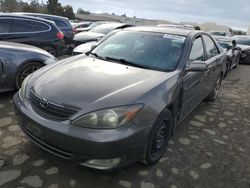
(44, 103)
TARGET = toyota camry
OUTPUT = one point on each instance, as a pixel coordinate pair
(121, 102)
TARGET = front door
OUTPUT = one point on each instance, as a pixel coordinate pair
(194, 82)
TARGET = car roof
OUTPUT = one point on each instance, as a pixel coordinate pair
(26, 17)
(241, 36)
(40, 14)
(169, 30)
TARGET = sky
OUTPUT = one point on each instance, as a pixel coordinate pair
(234, 13)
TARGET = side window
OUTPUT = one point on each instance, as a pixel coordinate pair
(197, 51)
(5, 25)
(60, 23)
(22, 25)
(39, 26)
(211, 47)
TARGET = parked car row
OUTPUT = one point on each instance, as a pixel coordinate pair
(37, 32)
(236, 47)
(233, 51)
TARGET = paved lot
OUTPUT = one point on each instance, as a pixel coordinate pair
(210, 149)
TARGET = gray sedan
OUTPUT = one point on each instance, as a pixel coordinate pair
(18, 61)
(122, 102)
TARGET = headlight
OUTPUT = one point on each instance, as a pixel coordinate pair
(22, 91)
(108, 118)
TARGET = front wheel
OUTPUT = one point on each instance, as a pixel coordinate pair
(159, 137)
(215, 92)
(24, 71)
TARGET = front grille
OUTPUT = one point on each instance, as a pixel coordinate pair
(51, 110)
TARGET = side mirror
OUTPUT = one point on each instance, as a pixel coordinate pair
(234, 43)
(197, 66)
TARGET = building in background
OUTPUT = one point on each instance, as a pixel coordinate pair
(248, 31)
(212, 26)
(117, 18)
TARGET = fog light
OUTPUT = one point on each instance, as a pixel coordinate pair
(102, 164)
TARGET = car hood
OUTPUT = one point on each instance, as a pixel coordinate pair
(92, 84)
(244, 47)
(23, 47)
(87, 36)
(84, 48)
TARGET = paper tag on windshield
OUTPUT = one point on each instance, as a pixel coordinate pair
(174, 37)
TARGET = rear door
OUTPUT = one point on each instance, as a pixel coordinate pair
(6, 28)
(214, 61)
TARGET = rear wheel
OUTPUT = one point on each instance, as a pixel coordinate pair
(24, 71)
(159, 137)
(51, 50)
(215, 92)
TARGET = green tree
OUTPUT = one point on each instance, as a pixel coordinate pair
(52, 6)
(68, 12)
(8, 5)
(81, 11)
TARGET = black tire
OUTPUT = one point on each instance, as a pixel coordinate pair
(215, 92)
(159, 137)
(51, 50)
(24, 71)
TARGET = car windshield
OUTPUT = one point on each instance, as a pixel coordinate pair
(104, 28)
(155, 51)
(218, 33)
(242, 40)
(224, 45)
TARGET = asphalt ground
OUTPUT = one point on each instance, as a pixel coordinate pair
(211, 148)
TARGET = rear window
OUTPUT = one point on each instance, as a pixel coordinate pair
(5, 25)
(38, 26)
(22, 25)
(242, 40)
(60, 23)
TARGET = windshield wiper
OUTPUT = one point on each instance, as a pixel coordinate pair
(125, 62)
(96, 55)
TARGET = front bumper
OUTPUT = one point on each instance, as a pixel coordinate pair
(81, 144)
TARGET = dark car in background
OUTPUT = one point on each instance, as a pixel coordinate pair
(77, 27)
(220, 33)
(17, 61)
(62, 23)
(37, 32)
(244, 43)
(229, 45)
(97, 32)
(92, 25)
(122, 102)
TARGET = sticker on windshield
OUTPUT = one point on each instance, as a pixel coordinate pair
(174, 37)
